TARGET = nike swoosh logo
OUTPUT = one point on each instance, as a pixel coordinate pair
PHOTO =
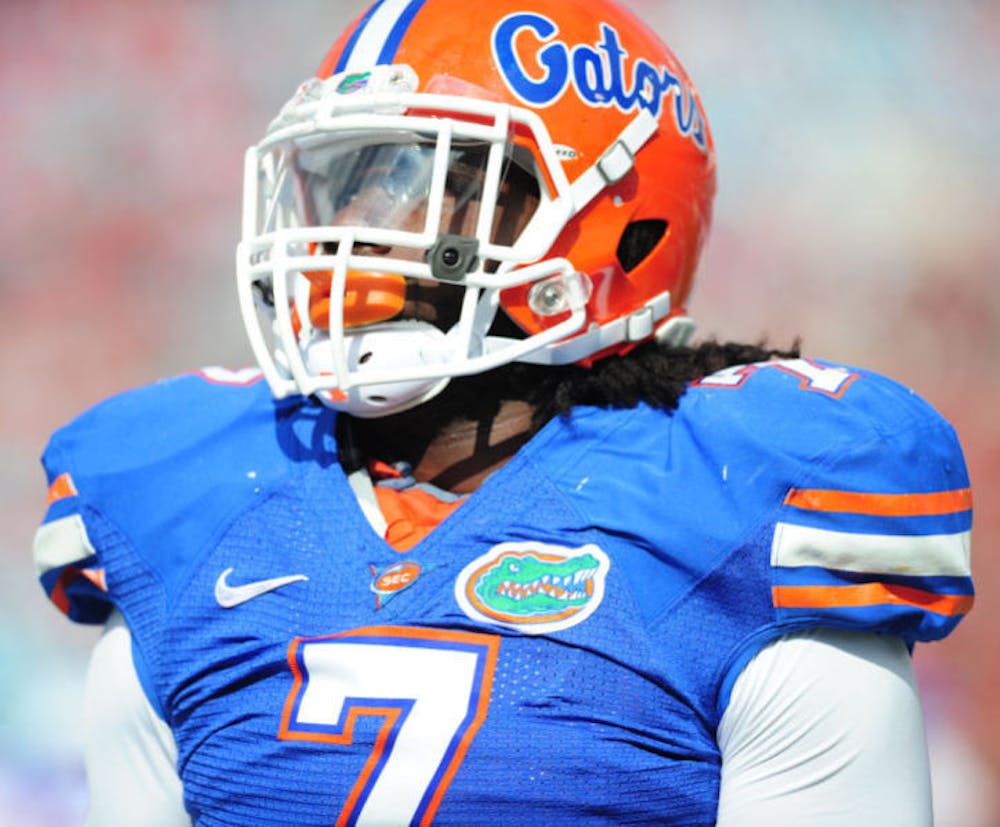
(229, 596)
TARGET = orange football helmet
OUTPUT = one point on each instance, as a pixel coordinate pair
(538, 173)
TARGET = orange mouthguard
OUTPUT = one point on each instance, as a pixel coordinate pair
(369, 297)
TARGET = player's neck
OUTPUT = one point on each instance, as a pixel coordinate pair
(457, 455)
(464, 453)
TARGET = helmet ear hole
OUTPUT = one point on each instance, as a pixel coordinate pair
(638, 241)
(503, 325)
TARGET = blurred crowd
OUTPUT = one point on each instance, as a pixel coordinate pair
(857, 210)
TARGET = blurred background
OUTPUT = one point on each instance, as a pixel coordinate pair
(857, 209)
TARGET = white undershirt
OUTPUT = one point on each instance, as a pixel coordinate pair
(823, 728)
(129, 750)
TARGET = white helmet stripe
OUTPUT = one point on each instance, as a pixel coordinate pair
(377, 38)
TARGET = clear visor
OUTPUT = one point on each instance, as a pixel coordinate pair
(399, 185)
(388, 185)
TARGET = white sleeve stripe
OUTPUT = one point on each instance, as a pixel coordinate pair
(61, 543)
(932, 555)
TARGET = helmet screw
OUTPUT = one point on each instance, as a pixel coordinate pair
(551, 296)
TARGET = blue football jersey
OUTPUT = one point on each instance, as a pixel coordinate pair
(559, 650)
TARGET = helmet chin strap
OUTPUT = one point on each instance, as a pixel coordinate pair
(616, 161)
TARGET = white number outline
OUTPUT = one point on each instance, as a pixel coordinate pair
(335, 661)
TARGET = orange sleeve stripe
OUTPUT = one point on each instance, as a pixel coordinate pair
(96, 576)
(58, 594)
(869, 594)
(881, 505)
(61, 488)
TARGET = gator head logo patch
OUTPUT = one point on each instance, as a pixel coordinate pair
(532, 587)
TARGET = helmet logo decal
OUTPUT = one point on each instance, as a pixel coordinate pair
(597, 73)
(533, 587)
(354, 82)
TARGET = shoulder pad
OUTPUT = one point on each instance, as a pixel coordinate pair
(873, 529)
(162, 468)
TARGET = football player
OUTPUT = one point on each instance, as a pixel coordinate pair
(484, 540)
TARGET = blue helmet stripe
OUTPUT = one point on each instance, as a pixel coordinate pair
(379, 34)
(388, 53)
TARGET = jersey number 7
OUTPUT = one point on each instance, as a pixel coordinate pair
(430, 687)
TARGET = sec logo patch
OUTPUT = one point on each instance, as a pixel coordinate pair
(390, 580)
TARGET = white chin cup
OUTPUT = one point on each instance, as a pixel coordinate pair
(392, 346)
